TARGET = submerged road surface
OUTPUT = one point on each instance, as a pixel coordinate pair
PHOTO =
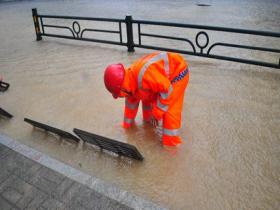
(231, 117)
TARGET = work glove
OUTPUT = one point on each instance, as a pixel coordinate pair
(154, 121)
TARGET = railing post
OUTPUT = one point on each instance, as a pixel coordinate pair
(129, 31)
(36, 24)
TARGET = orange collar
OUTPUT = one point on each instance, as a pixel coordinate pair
(128, 81)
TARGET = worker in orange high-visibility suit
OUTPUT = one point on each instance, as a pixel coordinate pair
(159, 80)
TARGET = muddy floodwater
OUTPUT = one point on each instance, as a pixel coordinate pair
(230, 158)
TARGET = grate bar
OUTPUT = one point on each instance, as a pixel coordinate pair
(117, 147)
(4, 86)
(57, 131)
(5, 113)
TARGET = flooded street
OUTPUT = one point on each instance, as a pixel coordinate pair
(230, 158)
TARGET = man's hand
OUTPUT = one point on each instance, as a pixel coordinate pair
(154, 121)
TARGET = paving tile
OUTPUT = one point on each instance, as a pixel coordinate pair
(81, 195)
(62, 189)
(11, 182)
(70, 193)
(41, 208)
(46, 180)
(19, 165)
(48, 174)
(4, 204)
(21, 193)
(4, 174)
(25, 184)
(33, 200)
(11, 194)
(4, 151)
(75, 206)
(52, 204)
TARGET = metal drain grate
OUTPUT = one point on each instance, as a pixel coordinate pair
(57, 131)
(117, 147)
(5, 113)
(4, 86)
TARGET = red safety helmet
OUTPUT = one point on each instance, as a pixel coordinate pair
(113, 78)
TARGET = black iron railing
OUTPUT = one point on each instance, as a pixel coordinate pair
(197, 48)
(75, 31)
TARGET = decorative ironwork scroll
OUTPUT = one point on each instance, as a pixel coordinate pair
(197, 47)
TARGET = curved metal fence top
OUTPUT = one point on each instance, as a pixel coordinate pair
(127, 38)
(82, 18)
(211, 28)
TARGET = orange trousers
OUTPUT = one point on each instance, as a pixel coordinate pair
(172, 118)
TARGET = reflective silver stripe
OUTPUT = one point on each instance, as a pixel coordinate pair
(131, 105)
(166, 95)
(166, 65)
(128, 120)
(147, 107)
(170, 132)
(162, 56)
(162, 106)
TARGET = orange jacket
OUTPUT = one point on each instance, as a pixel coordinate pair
(149, 79)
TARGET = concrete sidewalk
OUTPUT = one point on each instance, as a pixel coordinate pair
(27, 182)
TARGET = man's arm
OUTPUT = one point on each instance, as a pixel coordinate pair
(130, 111)
(160, 85)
